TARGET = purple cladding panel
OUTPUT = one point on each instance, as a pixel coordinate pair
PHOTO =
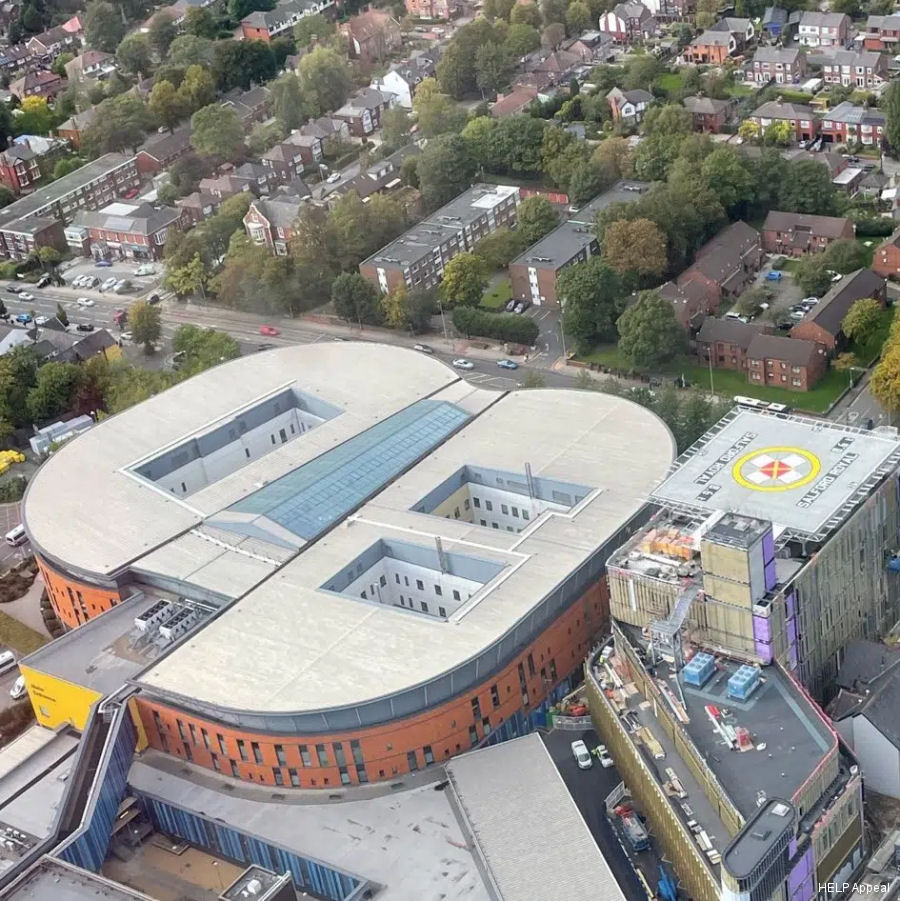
(792, 848)
(768, 549)
(762, 638)
(790, 603)
(801, 885)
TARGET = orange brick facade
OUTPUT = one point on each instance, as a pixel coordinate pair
(76, 602)
(396, 748)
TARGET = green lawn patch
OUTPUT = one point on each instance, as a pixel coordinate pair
(790, 265)
(739, 90)
(18, 636)
(497, 297)
(670, 82)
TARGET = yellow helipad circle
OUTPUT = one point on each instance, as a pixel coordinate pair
(776, 469)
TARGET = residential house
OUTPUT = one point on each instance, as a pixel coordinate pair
(864, 712)
(741, 30)
(882, 33)
(266, 25)
(128, 231)
(158, 152)
(558, 64)
(251, 106)
(722, 269)
(709, 114)
(73, 129)
(90, 64)
(226, 185)
(285, 162)
(20, 237)
(272, 221)
(53, 345)
(848, 180)
(872, 184)
(401, 80)
(198, 206)
(852, 69)
(516, 101)
(723, 343)
(433, 9)
(310, 147)
(671, 10)
(380, 178)
(534, 272)
(372, 36)
(629, 23)
(711, 47)
(52, 42)
(800, 116)
(14, 59)
(794, 364)
(591, 47)
(822, 323)
(628, 106)
(417, 258)
(783, 65)
(362, 111)
(37, 84)
(774, 22)
(19, 168)
(818, 29)
(850, 123)
(328, 130)
(795, 234)
(886, 261)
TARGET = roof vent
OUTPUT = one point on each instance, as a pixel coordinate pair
(781, 810)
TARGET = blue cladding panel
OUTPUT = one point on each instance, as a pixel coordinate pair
(311, 875)
(316, 495)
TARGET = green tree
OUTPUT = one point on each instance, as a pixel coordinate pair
(811, 274)
(613, 158)
(203, 348)
(55, 388)
(445, 168)
(728, 174)
(162, 32)
(145, 323)
(103, 26)
(65, 166)
(134, 54)
(326, 79)
(35, 117)
(492, 67)
(845, 256)
(778, 134)
(553, 35)
(592, 298)
(641, 72)
(199, 22)
(435, 112)
(536, 217)
(526, 14)
(190, 50)
(649, 333)
(862, 320)
(287, 101)
(521, 39)
(217, 132)
(120, 124)
(197, 88)
(751, 301)
(808, 189)
(355, 299)
(190, 278)
(311, 28)
(500, 248)
(61, 314)
(891, 106)
(395, 126)
(635, 247)
(586, 182)
(167, 104)
(264, 136)
(242, 63)
(465, 280)
(578, 17)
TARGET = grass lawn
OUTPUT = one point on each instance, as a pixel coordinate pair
(498, 296)
(739, 90)
(18, 636)
(670, 82)
(728, 383)
(790, 265)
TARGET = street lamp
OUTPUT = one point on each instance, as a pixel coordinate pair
(443, 319)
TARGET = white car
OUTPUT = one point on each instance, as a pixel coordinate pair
(18, 689)
(812, 301)
(582, 755)
(603, 754)
(463, 364)
(125, 336)
(85, 302)
(109, 283)
(41, 320)
(77, 282)
(26, 296)
(335, 176)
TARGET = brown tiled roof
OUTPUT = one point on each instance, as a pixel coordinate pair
(795, 351)
(826, 226)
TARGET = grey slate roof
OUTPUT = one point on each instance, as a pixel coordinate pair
(864, 662)
(830, 311)
(706, 105)
(731, 331)
(775, 109)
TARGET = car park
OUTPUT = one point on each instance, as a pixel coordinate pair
(268, 330)
(507, 364)
(582, 755)
(423, 348)
(462, 363)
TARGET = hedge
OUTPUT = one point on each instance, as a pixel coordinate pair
(874, 228)
(503, 326)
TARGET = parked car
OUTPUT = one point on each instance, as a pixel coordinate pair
(263, 347)
(109, 283)
(43, 281)
(153, 299)
(92, 282)
(335, 176)
(13, 289)
(797, 314)
(41, 320)
(122, 287)
(23, 318)
(268, 330)
(423, 348)
(810, 301)
(511, 305)
(582, 755)
(145, 269)
(604, 757)
(84, 327)
(102, 264)
(462, 363)
(18, 689)
(126, 336)
(85, 302)
(507, 364)
(774, 276)
(24, 295)
(522, 306)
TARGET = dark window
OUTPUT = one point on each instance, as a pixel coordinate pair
(320, 753)
(187, 751)
(234, 770)
(476, 708)
(382, 581)
(361, 774)
(205, 735)
(216, 765)
(279, 777)
(488, 505)
(455, 592)
(420, 585)
(530, 665)
(339, 754)
(473, 735)
(356, 750)
(476, 502)
(304, 755)
(552, 669)
(411, 761)
(279, 753)
(295, 779)
(242, 749)
(193, 734)
(428, 754)
(442, 611)
(424, 607)
(437, 590)
(504, 509)
(495, 696)
(222, 746)
(345, 776)
(397, 577)
(157, 722)
(257, 754)
(181, 731)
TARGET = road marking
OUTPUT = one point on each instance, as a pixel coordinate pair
(852, 416)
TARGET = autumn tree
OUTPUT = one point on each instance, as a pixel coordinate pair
(637, 246)
(167, 104)
(885, 381)
(145, 324)
(465, 280)
(862, 320)
(197, 88)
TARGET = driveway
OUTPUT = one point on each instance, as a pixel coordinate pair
(120, 269)
(784, 293)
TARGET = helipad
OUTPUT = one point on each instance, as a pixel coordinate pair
(805, 475)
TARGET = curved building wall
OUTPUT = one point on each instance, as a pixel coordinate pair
(76, 602)
(323, 760)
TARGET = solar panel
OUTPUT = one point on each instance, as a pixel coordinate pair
(316, 495)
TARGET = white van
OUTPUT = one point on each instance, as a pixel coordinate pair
(7, 661)
(16, 536)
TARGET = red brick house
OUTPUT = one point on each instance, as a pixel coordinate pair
(269, 24)
(711, 47)
(73, 129)
(848, 122)
(433, 9)
(724, 342)
(791, 363)
(886, 261)
(53, 42)
(629, 23)
(866, 69)
(802, 119)
(38, 84)
(160, 151)
(709, 115)
(131, 231)
(795, 234)
(20, 237)
(19, 169)
(882, 33)
(272, 221)
(372, 36)
(362, 112)
(822, 323)
(783, 65)
(514, 102)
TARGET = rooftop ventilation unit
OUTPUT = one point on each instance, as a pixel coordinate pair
(743, 683)
(700, 669)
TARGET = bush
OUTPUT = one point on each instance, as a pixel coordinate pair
(13, 490)
(874, 228)
(503, 326)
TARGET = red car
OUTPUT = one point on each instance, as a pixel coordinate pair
(268, 330)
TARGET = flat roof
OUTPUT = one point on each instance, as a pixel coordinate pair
(52, 878)
(528, 828)
(246, 660)
(763, 830)
(407, 841)
(804, 475)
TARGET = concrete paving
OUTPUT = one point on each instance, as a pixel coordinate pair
(27, 609)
